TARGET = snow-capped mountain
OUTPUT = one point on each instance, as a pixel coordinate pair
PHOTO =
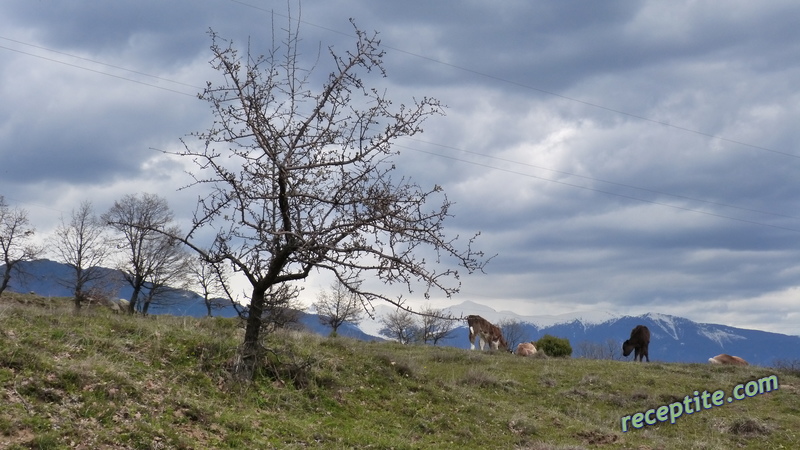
(673, 339)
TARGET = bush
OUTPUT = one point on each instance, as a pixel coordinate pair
(553, 346)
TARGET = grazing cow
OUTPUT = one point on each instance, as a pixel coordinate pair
(727, 359)
(486, 333)
(526, 349)
(639, 341)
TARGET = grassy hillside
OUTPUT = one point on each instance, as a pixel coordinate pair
(106, 381)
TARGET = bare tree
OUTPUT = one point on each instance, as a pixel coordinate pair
(16, 234)
(301, 179)
(434, 325)
(170, 271)
(145, 226)
(596, 350)
(400, 325)
(81, 244)
(613, 347)
(514, 332)
(337, 306)
(210, 280)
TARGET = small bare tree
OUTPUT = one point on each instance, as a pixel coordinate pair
(400, 325)
(301, 179)
(170, 271)
(613, 347)
(16, 246)
(596, 350)
(211, 282)
(434, 325)
(337, 306)
(144, 225)
(81, 244)
(514, 332)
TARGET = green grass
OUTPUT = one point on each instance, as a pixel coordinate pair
(100, 380)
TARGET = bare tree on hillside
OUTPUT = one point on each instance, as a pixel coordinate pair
(337, 306)
(513, 332)
(81, 244)
(301, 179)
(400, 325)
(16, 246)
(210, 280)
(145, 228)
(434, 326)
(170, 271)
(609, 349)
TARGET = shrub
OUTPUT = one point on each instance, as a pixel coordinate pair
(553, 346)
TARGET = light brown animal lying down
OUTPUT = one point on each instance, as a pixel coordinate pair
(727, 359)
(526, 349)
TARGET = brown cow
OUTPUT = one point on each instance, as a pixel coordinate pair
(526, 349)
(639, 341)
(727, 359)
(486, 332)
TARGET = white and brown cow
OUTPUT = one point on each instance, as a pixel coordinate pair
(728, 359)
(486, 332)
(526, 349)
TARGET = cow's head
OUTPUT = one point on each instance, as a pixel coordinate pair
(627, 348)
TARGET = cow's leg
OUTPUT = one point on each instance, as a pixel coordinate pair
(471, 339)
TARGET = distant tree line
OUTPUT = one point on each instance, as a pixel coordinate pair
(152, 264)
(429, 326)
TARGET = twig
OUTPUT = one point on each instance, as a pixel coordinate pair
(21, 398)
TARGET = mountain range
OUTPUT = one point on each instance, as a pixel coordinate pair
(673, 339)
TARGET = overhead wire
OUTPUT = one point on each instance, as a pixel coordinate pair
(493, 77)
(601, 191)
(94, 70)
(543, 91)
(599, 180)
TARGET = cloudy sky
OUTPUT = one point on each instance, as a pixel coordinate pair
(624, 157)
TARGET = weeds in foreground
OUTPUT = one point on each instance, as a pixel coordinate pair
(116, 381)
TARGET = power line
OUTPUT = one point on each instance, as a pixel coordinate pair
(98, 71)
(630, 197)
(543, 91)
(458, 149)
(99, 62)
(416, 55)
(613, 183)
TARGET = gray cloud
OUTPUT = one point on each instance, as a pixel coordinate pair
(629, 158)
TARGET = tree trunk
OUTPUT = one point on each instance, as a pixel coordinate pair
(208, 305)
(145, 306)
(134, 298)
(6, 278)
(79, 295)
(251, 349)
(78, 300)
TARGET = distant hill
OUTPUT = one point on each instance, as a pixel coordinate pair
(44, 277)
(673, 339)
